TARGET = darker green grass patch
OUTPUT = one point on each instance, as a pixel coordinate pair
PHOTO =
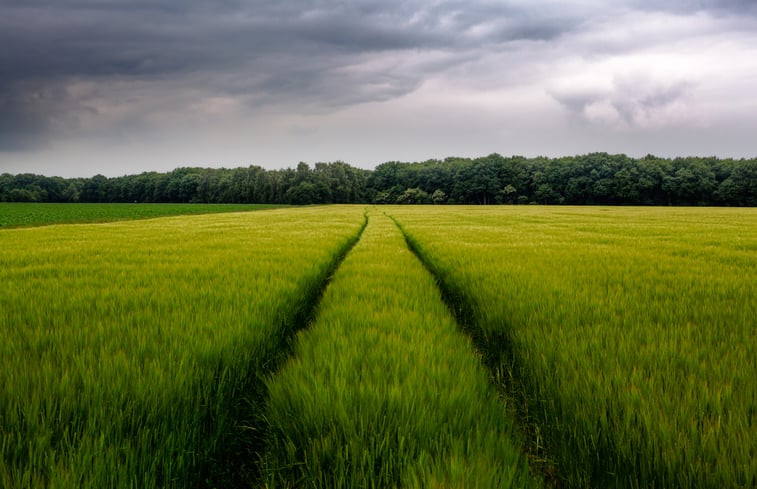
(15, 215)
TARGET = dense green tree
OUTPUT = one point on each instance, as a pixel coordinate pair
(595, 178)
(414, 196)
(302, 193)
(691, 182)
(439, 197)
(94, 189)
(507, 194)
(740, 188)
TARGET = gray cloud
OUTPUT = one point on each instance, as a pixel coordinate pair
(301, 51)
(689, 6)
(142, 39)
(631, 101)
(85, 68)
(19, 122)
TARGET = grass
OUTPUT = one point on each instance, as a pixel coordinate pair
(629, 332)
(383, 390)
(133, 352)
(13, 215)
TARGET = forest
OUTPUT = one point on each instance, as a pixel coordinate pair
(596, 178)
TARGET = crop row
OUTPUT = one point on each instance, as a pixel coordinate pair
(134, 352)
(629, 334)
(384, 390)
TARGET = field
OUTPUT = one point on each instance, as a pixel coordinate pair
(24, 215)
(629, 333)
(578, 347)
(384, 390)
(134, 352)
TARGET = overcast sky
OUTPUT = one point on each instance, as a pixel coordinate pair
(117, 87)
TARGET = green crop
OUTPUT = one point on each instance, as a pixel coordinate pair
(630, 333)
(383, 390)
(133, 353)
(35, 214)
(162, 353)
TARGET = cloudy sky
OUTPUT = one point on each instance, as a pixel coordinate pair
(117, 87)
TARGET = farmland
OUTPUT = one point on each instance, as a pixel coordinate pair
(628, 333)
(35, 214)
(384, 390)
(133, 352)
(609, 347)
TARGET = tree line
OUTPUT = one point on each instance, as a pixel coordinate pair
(596, 178)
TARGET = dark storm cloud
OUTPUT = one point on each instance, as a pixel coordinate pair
(66, 64)
(269, 51)
(104, 38)
(19, 121)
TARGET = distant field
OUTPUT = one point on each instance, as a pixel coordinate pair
(33, 214)
(614, 347)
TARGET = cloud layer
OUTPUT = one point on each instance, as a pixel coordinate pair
(146, 83)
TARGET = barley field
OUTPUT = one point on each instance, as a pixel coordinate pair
(629, 333)
(384, 390)
(386, 346)
(134, 352)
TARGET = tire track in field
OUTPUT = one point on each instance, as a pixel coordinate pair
(507, 380)
(238, 461)
(384, 390)
(306, 314)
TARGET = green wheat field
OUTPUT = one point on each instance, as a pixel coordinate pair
(379, 347)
